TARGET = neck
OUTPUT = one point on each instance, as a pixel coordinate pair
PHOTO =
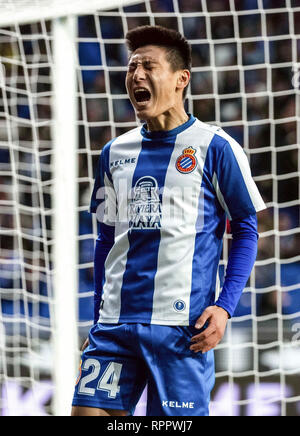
(168, 120)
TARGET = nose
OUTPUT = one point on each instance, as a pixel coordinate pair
(139, 73)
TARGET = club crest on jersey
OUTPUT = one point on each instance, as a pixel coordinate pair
(187, 161)
(145, 207)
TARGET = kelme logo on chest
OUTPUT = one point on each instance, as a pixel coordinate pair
(187, 161)
(121, 162)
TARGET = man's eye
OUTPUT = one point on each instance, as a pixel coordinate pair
(148, 65)
(131, 67)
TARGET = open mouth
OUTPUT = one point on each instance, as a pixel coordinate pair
(142, 95)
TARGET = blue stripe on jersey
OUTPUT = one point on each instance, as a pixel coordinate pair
(141, 267)
(231, 180)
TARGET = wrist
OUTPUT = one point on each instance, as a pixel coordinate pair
(224, 310)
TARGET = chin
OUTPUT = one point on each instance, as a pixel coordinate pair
(143, 115)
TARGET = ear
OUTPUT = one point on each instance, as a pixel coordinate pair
(183, 79)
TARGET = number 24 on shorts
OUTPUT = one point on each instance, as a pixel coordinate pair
(108, 381)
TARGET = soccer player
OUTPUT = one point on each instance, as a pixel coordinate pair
(162, 194)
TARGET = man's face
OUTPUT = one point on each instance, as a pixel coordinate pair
(151, 84)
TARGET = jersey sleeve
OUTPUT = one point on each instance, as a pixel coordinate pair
(103, 200)
(235, 188)
(104, 243)
(241, 260)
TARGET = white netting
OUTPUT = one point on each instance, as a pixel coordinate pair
(246, 79)
(28, 11)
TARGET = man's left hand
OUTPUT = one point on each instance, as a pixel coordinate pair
(217, 318)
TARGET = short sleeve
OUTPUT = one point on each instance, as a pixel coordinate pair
(103, 200)
(233, 182)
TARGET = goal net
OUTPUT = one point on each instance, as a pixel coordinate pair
(62, 97)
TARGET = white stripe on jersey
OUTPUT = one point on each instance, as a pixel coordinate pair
(220, 195)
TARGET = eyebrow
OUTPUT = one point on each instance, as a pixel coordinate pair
(146, 60)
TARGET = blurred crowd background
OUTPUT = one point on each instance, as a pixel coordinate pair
(244, 79)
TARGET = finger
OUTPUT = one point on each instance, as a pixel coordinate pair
(206, 344)
(202, 350)
(202, 320)
(203, 346)
(210, 330)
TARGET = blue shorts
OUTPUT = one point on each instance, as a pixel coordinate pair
(122, 358)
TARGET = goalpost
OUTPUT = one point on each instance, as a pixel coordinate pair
(62, 97)
(61, 58)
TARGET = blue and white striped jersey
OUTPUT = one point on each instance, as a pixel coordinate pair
(168, 194)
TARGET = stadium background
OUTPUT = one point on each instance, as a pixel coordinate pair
(253, 92)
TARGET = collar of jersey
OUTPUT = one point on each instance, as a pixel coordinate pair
(159, 134)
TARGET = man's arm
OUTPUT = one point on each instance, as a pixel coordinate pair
(104, 243)
(240, 263)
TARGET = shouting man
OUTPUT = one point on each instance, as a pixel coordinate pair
(162, 194)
